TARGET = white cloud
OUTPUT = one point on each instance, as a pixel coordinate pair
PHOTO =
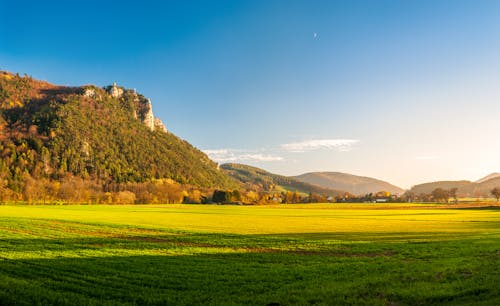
(260, 157)
(342, 145)
(232, 155)
(216, 152)
(271, 154)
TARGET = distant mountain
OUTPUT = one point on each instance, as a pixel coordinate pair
(106, 135)
(256, 178)
(358, 185)
(489, 177)
(465, 188)
(481, 188)
(485, 186)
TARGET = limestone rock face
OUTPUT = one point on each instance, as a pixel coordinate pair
(159, 126)
(89, 93)
(115, 91)
(142, 108)
(148, 118)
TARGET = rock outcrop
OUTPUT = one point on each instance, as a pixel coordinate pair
(159, 126)
(142, 108)
(115, 91)
(148, 117)
(89, 93)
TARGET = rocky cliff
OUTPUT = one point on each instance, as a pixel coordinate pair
(142, 107)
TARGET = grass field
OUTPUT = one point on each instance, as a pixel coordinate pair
(295, 254)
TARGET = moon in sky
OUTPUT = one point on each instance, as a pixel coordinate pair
(315, 35)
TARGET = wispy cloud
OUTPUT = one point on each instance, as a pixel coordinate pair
(342, 145)
(216, 152)
(273, 154)
(233, 155)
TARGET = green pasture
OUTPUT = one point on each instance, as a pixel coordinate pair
(329, 254)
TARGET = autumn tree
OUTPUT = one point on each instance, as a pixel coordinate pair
(252, 196)
(453, 194)
(124, 197)
(236, 196)
(383, 194)
(194, 196)
(440, 194)
(495, 192)
(409, 196)
(287, 197)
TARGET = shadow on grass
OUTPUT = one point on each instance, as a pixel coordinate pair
(116, 265)
(259, 243)
(242, 277)
(493, 208)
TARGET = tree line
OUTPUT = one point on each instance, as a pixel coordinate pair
(75, 190)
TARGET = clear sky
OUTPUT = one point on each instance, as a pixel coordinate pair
(404, 91)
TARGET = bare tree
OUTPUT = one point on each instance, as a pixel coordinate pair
(496, 192)
(441, 194)
(453, 194)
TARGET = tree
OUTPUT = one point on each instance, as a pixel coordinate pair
(236, 196)
(252, 196)
(453, 194)
(424, 197)
(288, 197)
(219, 196)
(440, 194)
(124, 197)
(496, 192)
(409, 196)
(383, 194)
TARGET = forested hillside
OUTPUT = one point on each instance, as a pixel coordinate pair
(355, 184)
(259, 179)
(104, 136)
(463, 188)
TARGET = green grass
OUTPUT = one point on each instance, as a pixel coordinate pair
(296, 254)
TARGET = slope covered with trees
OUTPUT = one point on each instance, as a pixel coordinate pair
(49, 133)
(259, 179)
(463, 188)
(358, 185)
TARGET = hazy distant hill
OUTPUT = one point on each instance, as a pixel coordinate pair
(480, 188)
(465, 188)
(260, 179)
(358, 185)
(489, 177)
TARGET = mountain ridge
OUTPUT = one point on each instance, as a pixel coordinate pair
(260, 179)
(488, 177)
(465, 188)
(355, 184)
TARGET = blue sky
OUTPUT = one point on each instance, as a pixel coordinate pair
(405, 91)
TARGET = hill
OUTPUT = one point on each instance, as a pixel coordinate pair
(256, 178)
(464, 188)
(481, 188)
(358, 185)
(105, 135)
(489, 177)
